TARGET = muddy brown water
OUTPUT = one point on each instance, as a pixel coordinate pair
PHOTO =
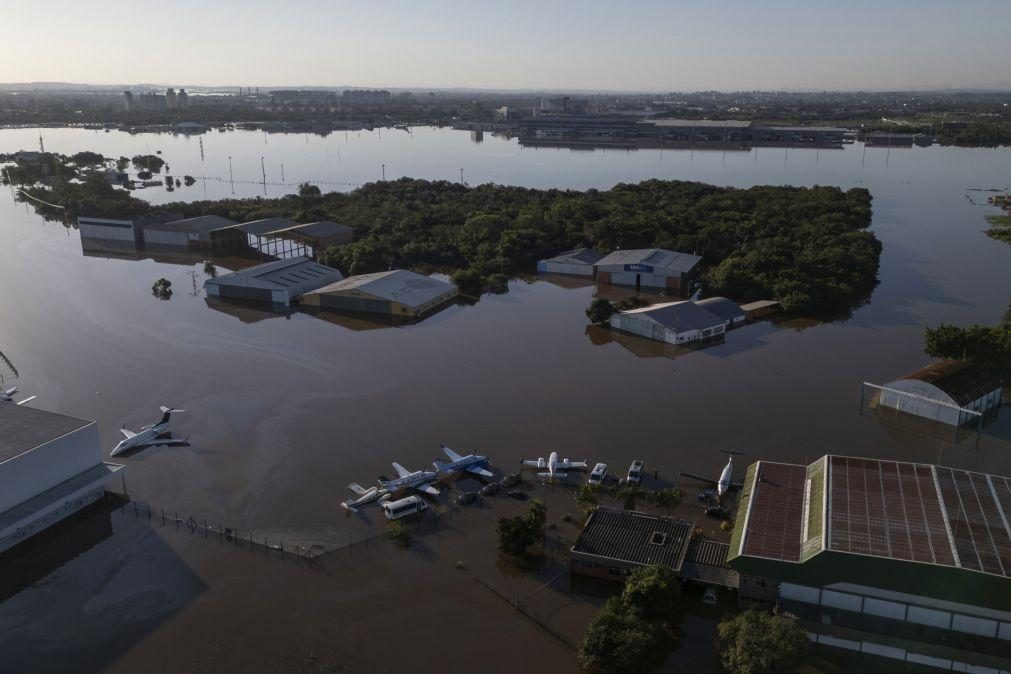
(284, 411)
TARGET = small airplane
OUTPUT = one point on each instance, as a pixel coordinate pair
(556, 467)
(420, 479)
(725, 483)
(472, 463)
(365, 497)
(151, 435)
(8, 396)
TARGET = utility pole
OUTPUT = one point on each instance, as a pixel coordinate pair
(231, 177)
(384, 172)
(461, 176)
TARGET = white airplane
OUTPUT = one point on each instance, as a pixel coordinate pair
(365, 497)
(556, 467)
(151, 435)
(8, 396)
(472, 463)
(420, 479)
(726, 482)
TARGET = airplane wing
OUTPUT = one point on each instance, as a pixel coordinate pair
(480, 471)
(358, 489)
(453, 456)
(428, 489)
(704, 480)
(531, 462)
(128, 433)
(27, 400)
(572, 464)
(401, 471)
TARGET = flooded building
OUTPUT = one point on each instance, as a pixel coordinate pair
(311, 238)
(648, 268)
(760, 309)
(870, 553)
(683, 323)
(280, 282)
(398, 292)
(614, 542)
(205, 233)
(121, 232)
(951, 391)
(729, 311)
(576, 262)
(50, 467)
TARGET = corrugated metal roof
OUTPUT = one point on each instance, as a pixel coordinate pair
(657, 258)
(398, 285)
(203, 223)
(678, 316)
(319, 230)
(23, 428)
(703, 123)
(964, 382)
(635, 537)
(586, 256)
(760, 304)
(710, 553)
(265, 226)
(722, 307)
(297, 275)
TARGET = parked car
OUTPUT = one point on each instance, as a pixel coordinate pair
(635, 473)
(707, 495)
(466, 498)
(518, 495)
(598, 474)
(491, 489)
(717, 511)
(511, 480)
(710, 596)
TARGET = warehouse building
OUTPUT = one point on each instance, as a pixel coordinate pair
(398, 292)
(731, 314)
(761, 309)
(614, 542)
(648, 268)
(950, 391)
(50, 467)
(211, 233)
(577, 262)
(683, 323)
(121, 232)
(280, 282)
(913, 553)
(317, 235)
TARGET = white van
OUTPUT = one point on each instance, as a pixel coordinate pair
(405, 507)
(598, 474)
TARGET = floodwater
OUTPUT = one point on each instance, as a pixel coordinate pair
(284, 411)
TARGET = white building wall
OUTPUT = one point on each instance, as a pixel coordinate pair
(162, 237)
(110, 230)
(568, 269)
(930, 617)
(972, 625)
(31, 473)
(885, 609)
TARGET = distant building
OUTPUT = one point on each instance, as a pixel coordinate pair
(648, 268)
(50, 467)
(170, 99)
(577, 262)
(128, 101)
(398, 292)
(211, 233)
(378, 97)
(906, 560)
(280, 283)
(183, 100)
(121, 230)
(760, 309)
(951, 391)
(680, 323)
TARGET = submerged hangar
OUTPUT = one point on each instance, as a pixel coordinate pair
(398, 292)
(280, 282)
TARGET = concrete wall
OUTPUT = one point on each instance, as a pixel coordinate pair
(111, 230)
(545, 267)
(31, 473)
(164, 237)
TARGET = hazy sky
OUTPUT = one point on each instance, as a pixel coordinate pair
(659, 45)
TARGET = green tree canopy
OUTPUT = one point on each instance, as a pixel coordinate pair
(756, 642)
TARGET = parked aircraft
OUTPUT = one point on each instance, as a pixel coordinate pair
(420, 479)
(365, 497)
(472, 463)
(8, 396)
(555, 467)
(151, 435)
(725, 483)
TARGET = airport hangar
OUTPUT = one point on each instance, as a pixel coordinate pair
(950, 391)
(50, 467)
(398, 292)
(280, 282)
(909, 550)
(577, 262)
(648, 268)
(684, 322)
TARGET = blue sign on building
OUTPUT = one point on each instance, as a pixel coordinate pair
(645, 268)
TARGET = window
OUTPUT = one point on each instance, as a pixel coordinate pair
(658, 538)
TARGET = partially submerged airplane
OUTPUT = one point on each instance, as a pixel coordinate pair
(555, 467)
(472, 463)
(151, 435)
(365, 497)
(8, 396)
(725, 483)
(420, 480)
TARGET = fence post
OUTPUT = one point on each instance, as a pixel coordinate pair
(163, 516)
(282, 551)
(250, 541)
(221, 533)
(177, 519)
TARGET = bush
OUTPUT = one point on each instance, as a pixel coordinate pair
(398, 532)
(518, 534)
(600, 311)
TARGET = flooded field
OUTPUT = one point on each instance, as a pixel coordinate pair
(284, 411)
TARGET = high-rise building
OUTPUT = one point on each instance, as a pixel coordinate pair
(128, 101)
(170, 99)
(183, 100)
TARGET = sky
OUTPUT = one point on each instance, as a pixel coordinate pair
(599, 45)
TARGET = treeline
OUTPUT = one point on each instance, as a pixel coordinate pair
(809, 248)
(806, 247)
(986, 346)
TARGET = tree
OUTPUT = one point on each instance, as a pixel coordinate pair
(516, 535)
(987, 347)
(756, 642)
(399, 533)
(616, 642)
(586, 494)
(654, 593)
(309, 190)
(600, 311)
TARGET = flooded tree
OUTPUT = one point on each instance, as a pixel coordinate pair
(516, 535)
(162, 289)
(756, 642)
(600, 311)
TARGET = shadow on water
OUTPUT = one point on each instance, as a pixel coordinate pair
(88, 592)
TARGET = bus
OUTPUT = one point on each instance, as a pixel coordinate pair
(405, 507)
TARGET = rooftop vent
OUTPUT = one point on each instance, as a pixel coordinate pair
(658, 538)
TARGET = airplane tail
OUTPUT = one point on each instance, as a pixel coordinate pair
(439, 466)
(733, 452)
(167, 413)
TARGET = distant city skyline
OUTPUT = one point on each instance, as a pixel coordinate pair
(647, 46)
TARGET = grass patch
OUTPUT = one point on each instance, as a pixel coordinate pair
(999, 220)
